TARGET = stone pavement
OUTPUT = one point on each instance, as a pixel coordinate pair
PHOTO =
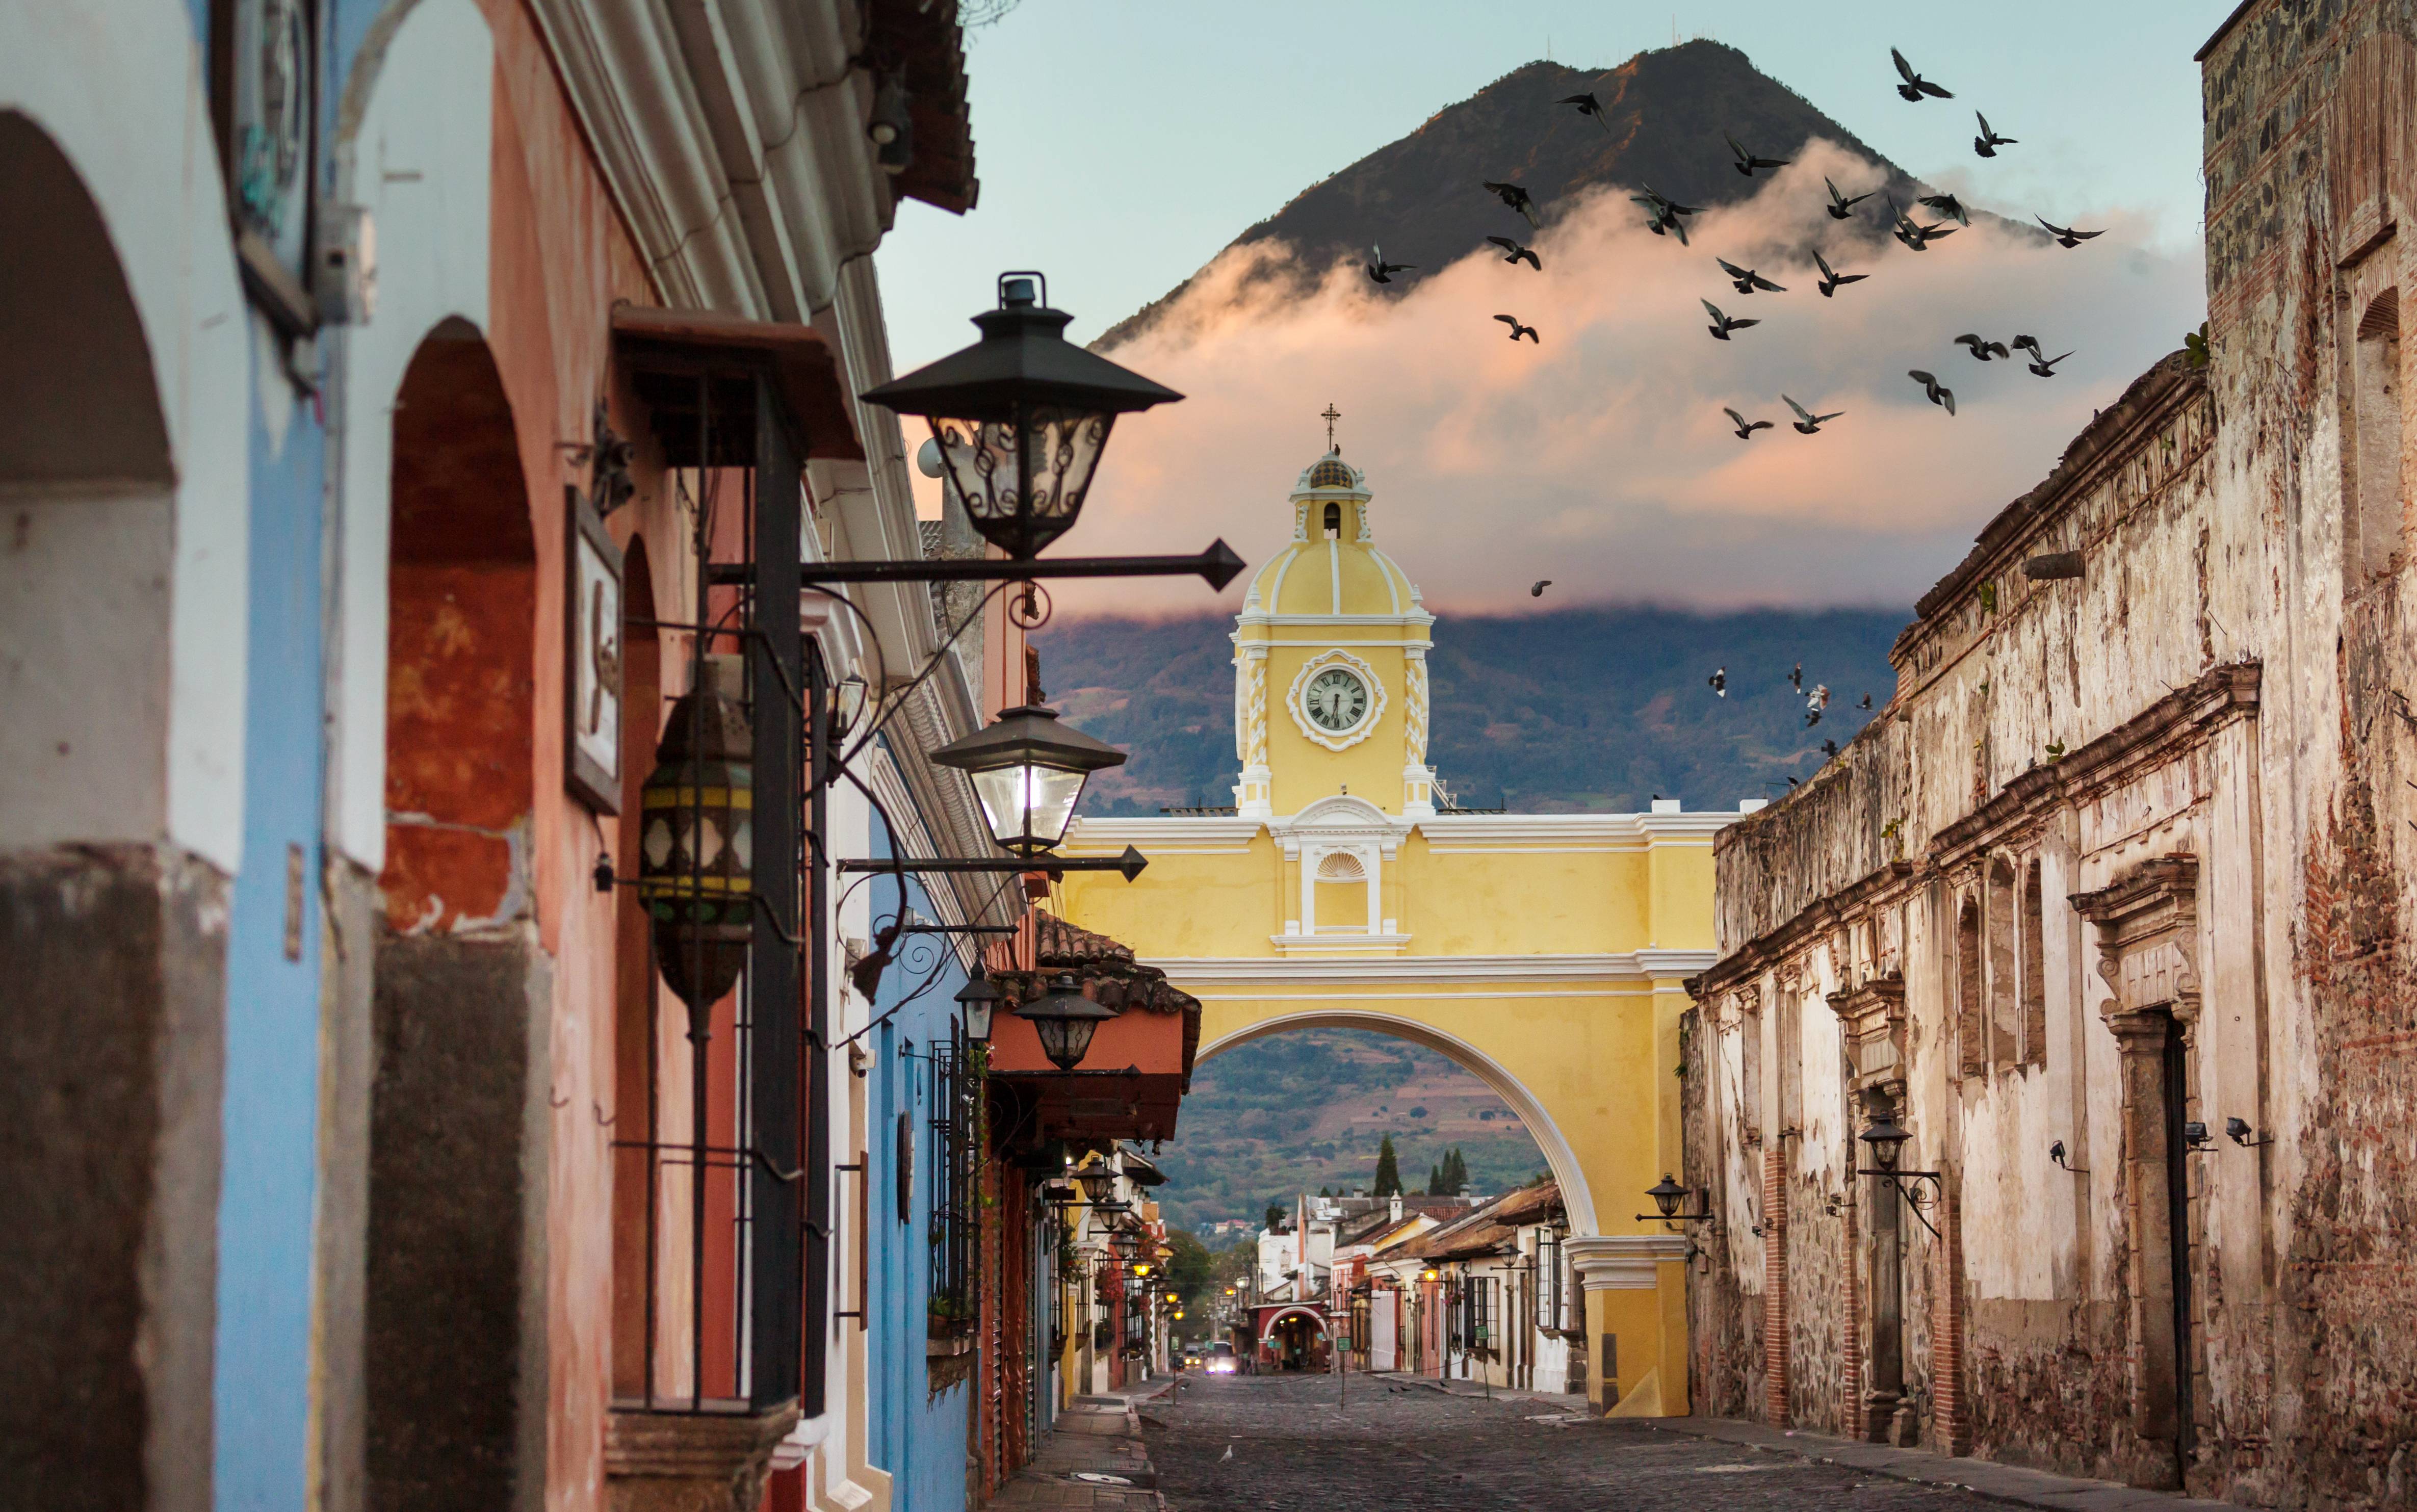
(1270, 1444)
(1092, 1461)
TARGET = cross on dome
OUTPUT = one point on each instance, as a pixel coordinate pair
(1330, 416)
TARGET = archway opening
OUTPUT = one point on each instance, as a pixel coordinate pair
(1295, 1341)
(113, 945)
(456, 1415)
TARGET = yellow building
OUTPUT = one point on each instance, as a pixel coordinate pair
(1543, 952)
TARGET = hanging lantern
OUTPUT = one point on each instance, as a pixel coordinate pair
(1021, 417)
(980, 999)
(695, 850)
(1066, 1021)
(1027, 770)
(1098, 1183)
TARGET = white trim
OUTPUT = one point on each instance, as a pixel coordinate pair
(1417, 618)
(1480, 995)
(418, 159)
(1647, 965)
(1624, 1262)
(116, 87)
(1311, 729)
(1334, 572)
(1392, 570)
(1575, 1197)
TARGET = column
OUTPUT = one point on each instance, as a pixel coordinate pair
(1636, 1321)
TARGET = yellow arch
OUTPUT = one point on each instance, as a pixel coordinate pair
(1576, 1196)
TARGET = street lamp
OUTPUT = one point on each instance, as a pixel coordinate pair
(1669, 1198)
(1065, 1020)
(1887, 1143)
(1028, 770)
(1886, 1140)
(1021, 417)
(980, 999)
(1098, 1183)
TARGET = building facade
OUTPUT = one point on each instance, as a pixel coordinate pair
(2105, 910)
(1543, 952)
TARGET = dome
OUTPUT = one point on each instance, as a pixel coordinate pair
(1332, 472)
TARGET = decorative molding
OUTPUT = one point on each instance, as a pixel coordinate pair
(1872, 1016)
(1311, 729)
(1624, 966)
(2148, 938)
(1624, 1262)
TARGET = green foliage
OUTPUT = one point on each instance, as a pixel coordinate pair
(1275, 1216)
(2195, 345)
(1571, 711)
(1435, 1181)
(1388, 1169)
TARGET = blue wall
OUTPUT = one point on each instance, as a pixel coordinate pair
(918, 1437)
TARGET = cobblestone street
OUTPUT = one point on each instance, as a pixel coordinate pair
(1401, 1447)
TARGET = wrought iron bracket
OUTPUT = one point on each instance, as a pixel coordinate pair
(1913, 1198)
(1216, 567)
(1130, 864)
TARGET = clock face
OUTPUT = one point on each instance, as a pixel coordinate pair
(1335, 699)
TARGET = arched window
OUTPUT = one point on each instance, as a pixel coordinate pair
(2005, 1018)
(1334, 521)
(2034, 970)
(2375, 440)
(1971, 1048)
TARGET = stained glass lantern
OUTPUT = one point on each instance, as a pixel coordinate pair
(694, 850)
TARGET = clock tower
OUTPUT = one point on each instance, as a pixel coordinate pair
(1329, 663)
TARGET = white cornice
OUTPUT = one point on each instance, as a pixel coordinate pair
(1629, 966)
(1447, 834)
(1624, 1262)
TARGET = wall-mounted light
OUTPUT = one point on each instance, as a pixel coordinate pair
(891, 127)
(2056, 1153)
(1669, 1201)
(978, 999)
(1886, 1141)
(2196, 1136)
(847, 703)
(2238, 1130)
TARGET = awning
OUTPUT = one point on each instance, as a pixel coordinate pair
(680, 362)
(1132, 1081)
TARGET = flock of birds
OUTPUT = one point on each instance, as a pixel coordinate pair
(1667, 216)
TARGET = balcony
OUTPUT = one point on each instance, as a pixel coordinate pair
(1131, 1082)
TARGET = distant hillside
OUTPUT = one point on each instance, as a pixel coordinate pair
(1292, 1113)
(1666, 111)
(1580, 709)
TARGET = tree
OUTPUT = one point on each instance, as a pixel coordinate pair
(1435, 1181)
(1275, 1215)
(1190, 1270)
(1324, 1192)
(1389, 1170)
(1452, 1177)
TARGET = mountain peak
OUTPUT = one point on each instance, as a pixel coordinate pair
(1666, 115)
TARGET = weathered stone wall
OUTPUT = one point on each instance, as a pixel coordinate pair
(2164, 807)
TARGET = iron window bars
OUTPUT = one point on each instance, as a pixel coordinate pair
(734, 1303)
(955, 1238)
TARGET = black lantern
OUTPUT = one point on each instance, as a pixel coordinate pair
(1098, 1182)
(1021, 416)
(1668, 1195)
(978, 998)
(1027, 769)
(848, 703)
(695, 849)
(1065, 1020)
(1886, 1139)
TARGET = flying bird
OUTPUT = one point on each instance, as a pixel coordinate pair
(2044, 365)
(1588, 105)
(1988, 142)
(1746, 279)
(1982, 348)
(1830, 749)
(1841, 205)
(1915, 235)
(1722, 325)
(1915, 86)
(1538, 590)
(2027, 344)
(1947, 205)
(1808, 423)
(1832, 280)
(1381, 271)
(1866, 703)
(1518, 330)
(1796, 676)
(1811, 718)
(1937, 393)
(1667, 213)
(1720, 681)
(2066, 235)
(1516, 198)
(1747, 163)
(1746, 428)
(1513, 252)
(1819, 697)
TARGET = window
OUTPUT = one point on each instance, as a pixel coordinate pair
(2034, 971)
(1971, 1049)
(1551, 1291)
(2375, 440)
(1341, 904)
(1474, 1319)
(2005, 1021)
(1333, 521)
(956, 1163)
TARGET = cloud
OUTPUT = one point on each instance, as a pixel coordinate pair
(1601, 458)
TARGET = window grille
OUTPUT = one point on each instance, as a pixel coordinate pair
(956, 1213)
(1551, 1289)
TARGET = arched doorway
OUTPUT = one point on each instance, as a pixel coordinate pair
(456, 1414)
(1295, 1339)
(112, 936)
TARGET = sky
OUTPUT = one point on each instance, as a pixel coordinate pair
(1120, 145)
